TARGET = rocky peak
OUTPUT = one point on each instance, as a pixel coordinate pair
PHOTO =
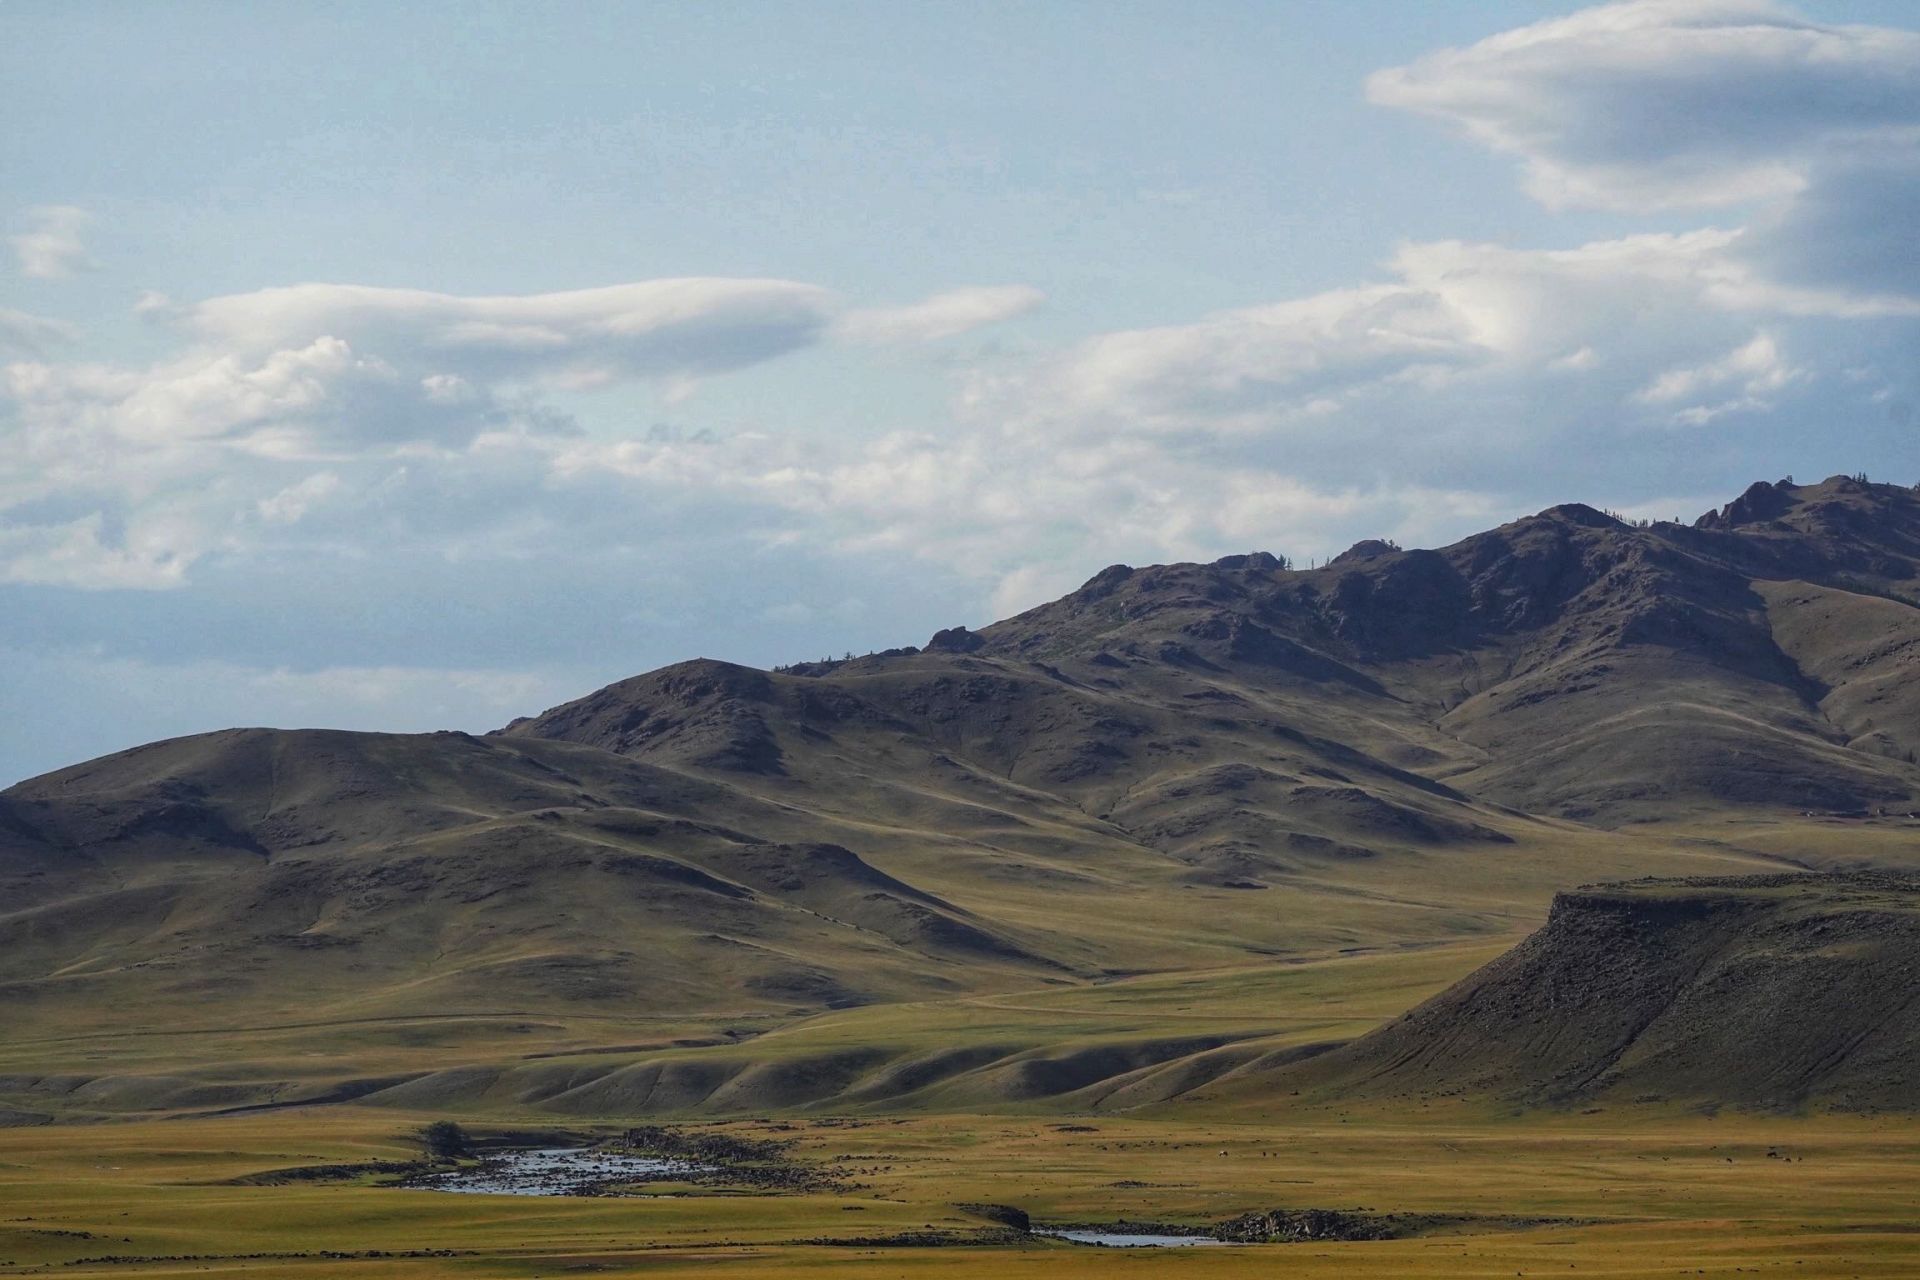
(1254, 561)
(955, 640)
(1365, 549)
(1106, 582)
(1760, 503)
(1579, 513)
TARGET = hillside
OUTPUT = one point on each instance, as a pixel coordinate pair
(1567, 664)
(1776, 992)
(1178, 768)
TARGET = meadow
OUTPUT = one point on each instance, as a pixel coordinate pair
(1625, 1195)
(1615, 1192)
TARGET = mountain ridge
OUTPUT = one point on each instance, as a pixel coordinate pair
(1173, 768)
(1557, 600)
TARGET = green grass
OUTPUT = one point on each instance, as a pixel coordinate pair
(1272, 1005)
(1652, 1197)
(1654, 1191)
(1342, 954)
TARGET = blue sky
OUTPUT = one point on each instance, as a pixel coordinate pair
(624, 334)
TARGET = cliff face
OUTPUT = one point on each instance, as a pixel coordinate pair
(1776, 992)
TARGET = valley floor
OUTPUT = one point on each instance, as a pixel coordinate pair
(111, 1188)
(1072, 1047)
(1626, 1195)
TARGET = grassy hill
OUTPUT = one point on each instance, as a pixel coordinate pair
(1771, 992)
(967, 875)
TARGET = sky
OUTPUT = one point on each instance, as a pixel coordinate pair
(406, 367)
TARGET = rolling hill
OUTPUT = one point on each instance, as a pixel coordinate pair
(1770, 992)
(1191, 768)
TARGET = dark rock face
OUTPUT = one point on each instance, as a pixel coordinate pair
(1365, 549)
(1767, 992)
(1762, 502)
(1406, 605)
(709, 713)
(1253, 562)
(956, 640)
(1104, 583)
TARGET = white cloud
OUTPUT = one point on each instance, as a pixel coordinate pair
(1688, 104)
(944, 315)
(204, 412)
(29, 335)
(1241, 368)
(686, 328)
(1661, 104)
(1756, 369)
(1024, 516)
(1463, 383)
(152, 555)
(51, 248)
(351, 378)
(291, 504)
(1457, 324)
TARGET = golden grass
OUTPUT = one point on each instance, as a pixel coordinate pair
(1653, 1195)
(1274, 1003)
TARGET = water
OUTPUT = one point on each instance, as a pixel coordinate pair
(555, 1171)
(1131, 1240)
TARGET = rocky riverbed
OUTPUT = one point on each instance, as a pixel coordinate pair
(556, 1171)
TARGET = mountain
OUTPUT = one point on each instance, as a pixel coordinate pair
(1769, 992)
(1566, 664)
(1174, 768)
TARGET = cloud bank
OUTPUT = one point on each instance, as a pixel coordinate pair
(1672, 104)
(1464, 377)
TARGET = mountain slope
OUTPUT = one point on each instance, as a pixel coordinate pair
(456, 870)
(1778, 992)
(1567, 663)
(1173, 768)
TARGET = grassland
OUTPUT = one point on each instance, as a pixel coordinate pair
(1691, 1196)
(1047, 914)
(1340, 955)
(1250, 1009)
(1628, 1191)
